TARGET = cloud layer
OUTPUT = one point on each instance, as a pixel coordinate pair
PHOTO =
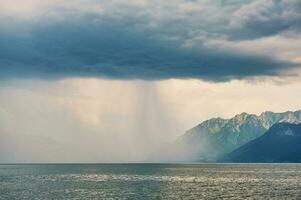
(143, 39)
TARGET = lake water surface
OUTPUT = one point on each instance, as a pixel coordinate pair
(150, 181)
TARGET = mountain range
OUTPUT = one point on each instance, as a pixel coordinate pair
(281, 143)
(216, 137)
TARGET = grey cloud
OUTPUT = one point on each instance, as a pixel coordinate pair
(263, 18)
(132, 46)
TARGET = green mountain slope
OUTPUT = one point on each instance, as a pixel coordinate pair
(215, 137)
(281, 143)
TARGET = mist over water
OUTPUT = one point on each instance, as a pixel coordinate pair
(153, 125)
(82, 121)
(101, 120)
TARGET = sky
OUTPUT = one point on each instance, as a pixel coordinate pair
(111, 81)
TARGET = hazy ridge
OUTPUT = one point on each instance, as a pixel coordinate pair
(281, 143)
(215, 137)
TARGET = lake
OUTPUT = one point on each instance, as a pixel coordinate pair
(150, 181)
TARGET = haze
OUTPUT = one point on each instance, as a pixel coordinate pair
(112, 81)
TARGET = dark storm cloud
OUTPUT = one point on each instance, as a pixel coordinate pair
(265, 18)
(127, 47)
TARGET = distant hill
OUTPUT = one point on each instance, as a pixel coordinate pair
(217, 136)
(281, 143)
